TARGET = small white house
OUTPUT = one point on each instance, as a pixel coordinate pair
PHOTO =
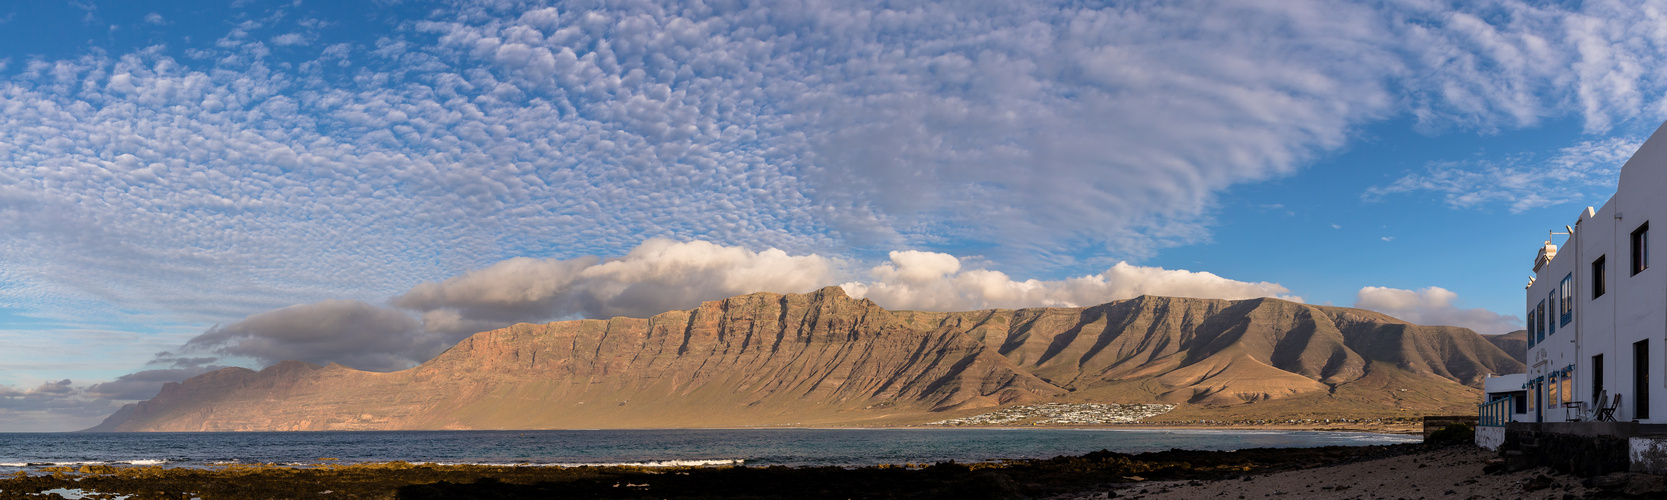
(1512, 387)
(1597, 305)
(1505, 399)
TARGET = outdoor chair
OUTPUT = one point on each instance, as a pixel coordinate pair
(1607, 414)
(1598, 404)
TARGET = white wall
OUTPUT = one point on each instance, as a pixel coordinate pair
(1597, 316)
(1633, 308)
(1490, 437)
(1559, 347)
(1639, 304)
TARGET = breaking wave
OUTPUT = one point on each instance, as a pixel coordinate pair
(72, 463)
(651, 463)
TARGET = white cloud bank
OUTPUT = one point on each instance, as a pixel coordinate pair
(935, 282)
(655, 277)
(1434, 306)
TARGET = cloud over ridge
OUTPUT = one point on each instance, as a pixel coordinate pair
(935, 282)
(1434, 306)
(657, 276)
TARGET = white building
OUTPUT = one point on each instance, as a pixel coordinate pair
(1597, 306)
(1513, 387)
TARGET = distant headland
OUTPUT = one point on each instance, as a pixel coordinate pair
(826, 359)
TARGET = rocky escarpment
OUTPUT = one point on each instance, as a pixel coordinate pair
(758, 359)
(1202, 351)
(825, 358)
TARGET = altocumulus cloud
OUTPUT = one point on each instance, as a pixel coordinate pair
(486, 131)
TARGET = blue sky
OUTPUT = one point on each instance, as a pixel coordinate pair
(191, 185)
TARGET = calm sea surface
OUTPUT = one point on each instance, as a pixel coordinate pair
(751, 447)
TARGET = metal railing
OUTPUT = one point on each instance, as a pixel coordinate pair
(1494, 413)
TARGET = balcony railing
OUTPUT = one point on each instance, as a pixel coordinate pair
(1494, 413)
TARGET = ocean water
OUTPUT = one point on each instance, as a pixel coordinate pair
(750, 447)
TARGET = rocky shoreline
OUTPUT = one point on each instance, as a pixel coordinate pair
(1367, 472)
(1061, 477)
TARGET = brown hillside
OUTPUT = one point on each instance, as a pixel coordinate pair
(1218, 352)
(760, 359)
(1514, 343)
(824, 358)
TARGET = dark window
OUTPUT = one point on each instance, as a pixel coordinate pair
(1551, 324)
(1565, 307)
(1533, 326)
(1598, 277)
(1539, 316)
(1521, 400)
(1640, 380)
(1641, 248)
(1597, 378)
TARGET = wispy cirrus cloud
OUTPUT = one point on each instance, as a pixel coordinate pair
(1520, 182)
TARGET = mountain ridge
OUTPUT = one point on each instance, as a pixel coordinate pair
(824, 358)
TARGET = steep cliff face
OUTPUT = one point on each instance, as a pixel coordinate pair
(825, 358)
(757, 359)
(1202, 351)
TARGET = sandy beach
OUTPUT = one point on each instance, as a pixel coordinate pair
(1451, 472)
